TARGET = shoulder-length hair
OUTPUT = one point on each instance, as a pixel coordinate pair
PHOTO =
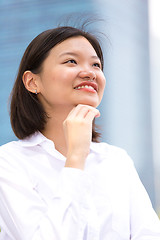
(27, 114)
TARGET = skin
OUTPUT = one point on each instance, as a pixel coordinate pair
(71, 111)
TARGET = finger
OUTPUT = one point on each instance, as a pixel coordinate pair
(75, 110)
(82, 112)
(79, 109)
(92, 114)
(84, 109)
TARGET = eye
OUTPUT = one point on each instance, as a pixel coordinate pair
(71, 61)
(97, 65)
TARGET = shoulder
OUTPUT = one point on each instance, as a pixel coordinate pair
(21, 146)
(9, 152)
(8, 148)
(13, 153)
(106, 149)
(111, 154)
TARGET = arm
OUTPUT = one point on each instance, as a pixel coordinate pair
(78, 132)
(144, 221)
(27, 216)
(64, 216)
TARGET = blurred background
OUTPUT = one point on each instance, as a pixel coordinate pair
(130, 110)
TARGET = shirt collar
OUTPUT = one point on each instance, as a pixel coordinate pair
(94, 147)
(39, 139)
(35, 139)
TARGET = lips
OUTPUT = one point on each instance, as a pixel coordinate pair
(87, 85)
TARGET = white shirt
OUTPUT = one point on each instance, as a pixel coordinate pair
(40, 199)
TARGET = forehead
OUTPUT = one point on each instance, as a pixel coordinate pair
(78, 44)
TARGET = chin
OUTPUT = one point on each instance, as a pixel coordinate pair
(90, 103)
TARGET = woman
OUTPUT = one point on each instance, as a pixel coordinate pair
(57, 181)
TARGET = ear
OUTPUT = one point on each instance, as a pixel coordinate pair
(30, 81)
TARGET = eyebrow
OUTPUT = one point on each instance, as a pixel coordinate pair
(76, 55)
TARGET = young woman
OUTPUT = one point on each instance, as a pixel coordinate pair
(57, 182)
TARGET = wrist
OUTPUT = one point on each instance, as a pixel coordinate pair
(75, 161)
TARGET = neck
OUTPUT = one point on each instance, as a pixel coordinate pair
(54, 129)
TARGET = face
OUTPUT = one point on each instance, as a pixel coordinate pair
(71, 75)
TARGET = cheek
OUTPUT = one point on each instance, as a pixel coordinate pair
(50, 81)
(64, 76)
(102, 82)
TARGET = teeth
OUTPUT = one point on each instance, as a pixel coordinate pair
(86, 86)
(90, 87)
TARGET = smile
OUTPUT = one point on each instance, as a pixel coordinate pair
(87, 86)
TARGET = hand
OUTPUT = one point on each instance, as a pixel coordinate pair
(78, 133)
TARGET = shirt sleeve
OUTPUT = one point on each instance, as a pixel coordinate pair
(145, 223)
(27, 216)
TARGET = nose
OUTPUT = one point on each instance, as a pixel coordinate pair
(88, 75)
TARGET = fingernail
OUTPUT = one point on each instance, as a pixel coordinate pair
(98, 114)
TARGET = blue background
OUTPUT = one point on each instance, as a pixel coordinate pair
(125, 109)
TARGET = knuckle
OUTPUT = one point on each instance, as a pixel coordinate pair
(69, 121)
